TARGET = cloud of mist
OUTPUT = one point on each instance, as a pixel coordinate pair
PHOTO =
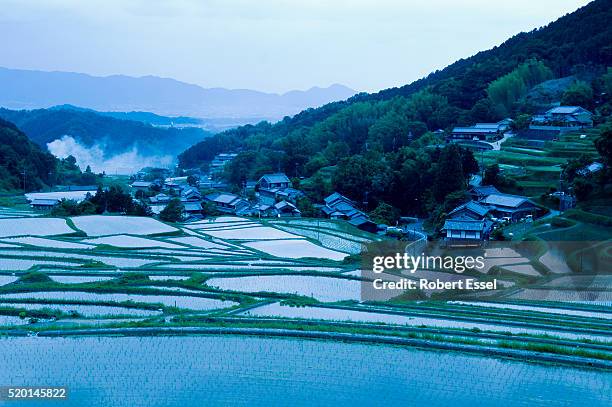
(127, 162)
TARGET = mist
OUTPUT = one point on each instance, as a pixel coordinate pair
(125, 163)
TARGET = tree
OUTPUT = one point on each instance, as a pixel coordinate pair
(173, 212)
(352, 177)
(193, 181)
(385, 213)
(521, 122)
(578, 94)
(491, 175)
(508, 89)
(87, 208)
(140, 208)
(582, 188)
(449, 174)
(573, 165)
(603, 143)
(468, 163)
(306, 207)
(88, 177)
(66, 207)
(209, 209)
(483, 111)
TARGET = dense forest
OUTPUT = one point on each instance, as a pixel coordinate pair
(90, 128)
(18, 155)
(382, 143)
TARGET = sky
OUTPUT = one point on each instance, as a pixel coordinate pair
(266, 45)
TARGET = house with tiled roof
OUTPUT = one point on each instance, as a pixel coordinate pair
(471, 210)
(227, 202)
(569, 116)
(513, 206)
(464, 232)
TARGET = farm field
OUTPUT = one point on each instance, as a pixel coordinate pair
(121, 272)
(248, 371)
(537, 168)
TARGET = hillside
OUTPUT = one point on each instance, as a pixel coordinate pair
(383, 136)
(112, 135)
(144, 117)
(24, 89)
(213, 125)
(19, 154)
(578, 42)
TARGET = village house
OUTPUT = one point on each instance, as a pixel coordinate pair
(44, 204)
(470, 210)
(226, 202)
(364, 223)
(173, 187)
(338, 206)
(464, 232)
(141, 186)
(160, 198)
(45, 201)
(272, 181)
(77, 188)
(569, 116)
(481, 131)
(480, 192)
(514, 207)
(192, 208)
(276, 187)
(191, 194)
(286, 209)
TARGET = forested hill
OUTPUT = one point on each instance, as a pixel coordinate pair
(19, 154)
(111, 134)
(487, 86)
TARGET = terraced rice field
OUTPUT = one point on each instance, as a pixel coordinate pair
(295, 249)
(130, 242)
(34, 227)
(325, 289)
(536, 169)
(99, 270)
(97, 225)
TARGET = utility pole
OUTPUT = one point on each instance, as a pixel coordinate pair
(24, 180)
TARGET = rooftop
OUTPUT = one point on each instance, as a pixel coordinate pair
(44, 202)
(141, 184)
(225, 198)
(483, 130)
(469, 225)
(473, 206)
(566, 110)
(275, 178)
(485, 190)
(510, 201)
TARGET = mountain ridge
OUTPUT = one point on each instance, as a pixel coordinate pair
(33, 89)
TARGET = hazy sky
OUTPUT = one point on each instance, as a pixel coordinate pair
(269, 45)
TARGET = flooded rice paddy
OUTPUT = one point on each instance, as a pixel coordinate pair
(232, 370)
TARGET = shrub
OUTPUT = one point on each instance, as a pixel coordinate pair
(34, 277)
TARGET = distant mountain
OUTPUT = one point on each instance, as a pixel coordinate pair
(110, 135)
(25, 89)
